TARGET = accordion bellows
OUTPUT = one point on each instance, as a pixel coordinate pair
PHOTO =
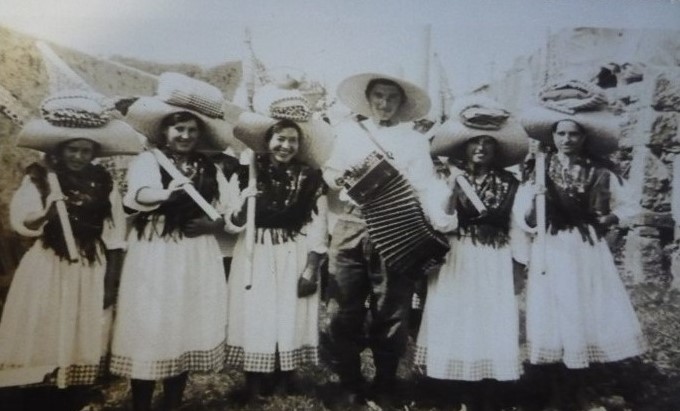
(394, 217)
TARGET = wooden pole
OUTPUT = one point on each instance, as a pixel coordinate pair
(66, 228)
(540, 211)
(250, 219)
(167, 165)
(470, 193)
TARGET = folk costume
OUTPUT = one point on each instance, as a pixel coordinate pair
(172, 305)
(356, 267)
(54, 328)
(271, 327)
(470, 328)
(578, 311)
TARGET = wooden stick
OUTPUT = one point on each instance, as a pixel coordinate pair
(66, 228)
(540, 211)
(250, 220)
(470, 193)
(168, 166)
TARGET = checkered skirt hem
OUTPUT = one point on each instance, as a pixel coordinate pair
(615, 351)
(473, 370)
(266, 362)
(203, 360)
(74, 374)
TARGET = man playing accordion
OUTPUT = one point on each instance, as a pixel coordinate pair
(386, 106)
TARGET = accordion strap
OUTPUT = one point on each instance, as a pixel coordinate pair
(373, 139)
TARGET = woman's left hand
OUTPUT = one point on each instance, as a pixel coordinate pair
(308, 281)
(607, 220)
(203, 225)
(307, 284)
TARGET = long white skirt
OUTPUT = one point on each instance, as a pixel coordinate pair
(172, 308)
(53, 327)
(269, 320)
(470, 327)
(579, 312)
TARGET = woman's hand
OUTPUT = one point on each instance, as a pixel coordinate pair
(34, 220)
(239, 218)
(203, 225)
(607, 220)
(152, 196)
(175, 186)
(308, 281)
(306, 287)
(247, 193)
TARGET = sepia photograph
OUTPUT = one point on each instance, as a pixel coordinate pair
(340, 205)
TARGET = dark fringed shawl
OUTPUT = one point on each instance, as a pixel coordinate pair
(497, 192)
(288, 195)
(87, 203)
(180, 208)
(576, 195)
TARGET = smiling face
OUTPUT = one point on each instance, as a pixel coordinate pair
(384, 101)
(480, 150)
(568, 137)
(182, 136)
(284, 144)
(77, 154)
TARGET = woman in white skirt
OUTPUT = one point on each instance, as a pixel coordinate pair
(55, 326)
(578, 311)
(470, 328)
(273, 324)
(172, 305)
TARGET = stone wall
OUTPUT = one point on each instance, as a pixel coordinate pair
(640, 72)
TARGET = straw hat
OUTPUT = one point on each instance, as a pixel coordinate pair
(273, 104)
(178, 93)
(577, 101)
(476, 116)
(78, 114)
(352, 92)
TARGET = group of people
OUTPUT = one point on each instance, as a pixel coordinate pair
(158, 253)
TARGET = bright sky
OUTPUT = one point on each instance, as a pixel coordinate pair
(328, 39)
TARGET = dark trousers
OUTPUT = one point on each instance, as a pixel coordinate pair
(359, 274)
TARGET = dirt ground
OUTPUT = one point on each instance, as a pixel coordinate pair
(641, 384)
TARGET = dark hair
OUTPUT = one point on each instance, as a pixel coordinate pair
(553, 129)
(54, 156)
(385, 82)
(602, 161)
(578, 125)
(174, 118)
(280, 125)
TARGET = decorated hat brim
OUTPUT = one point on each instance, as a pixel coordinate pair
(352, 92)
(315, 146)
(601, 127)
(147, 113)
(450, 139)
(114, 138)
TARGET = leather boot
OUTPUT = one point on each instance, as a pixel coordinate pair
(254, 387)
(142, 393)
(173, 391)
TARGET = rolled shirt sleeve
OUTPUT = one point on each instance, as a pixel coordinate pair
(144, 171)
(26, 200)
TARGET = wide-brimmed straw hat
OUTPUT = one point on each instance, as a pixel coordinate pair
(352, 92)
(178, 93)
(77, 114)
(273, 104)
(475, 116)
(581, 102)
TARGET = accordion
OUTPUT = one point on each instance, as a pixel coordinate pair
(394, 217)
